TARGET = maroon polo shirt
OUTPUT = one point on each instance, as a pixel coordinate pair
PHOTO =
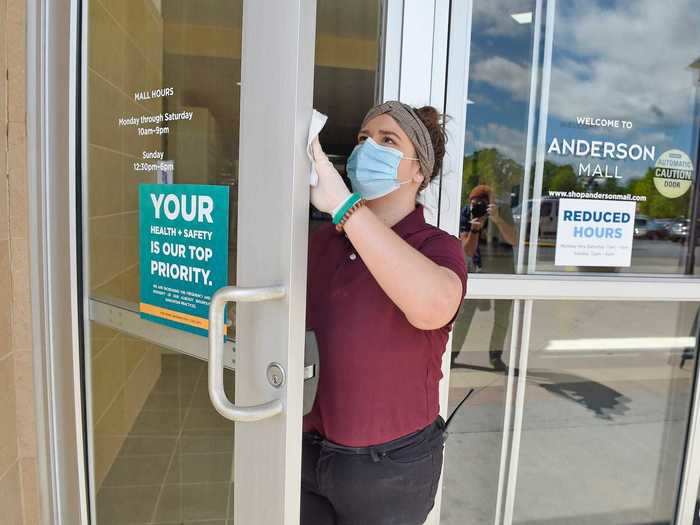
(379, 374)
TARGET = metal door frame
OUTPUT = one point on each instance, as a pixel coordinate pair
(277, 72)
(51, 138)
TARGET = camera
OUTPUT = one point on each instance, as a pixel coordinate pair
(478, 208)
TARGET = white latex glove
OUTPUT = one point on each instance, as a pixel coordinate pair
(330, 191)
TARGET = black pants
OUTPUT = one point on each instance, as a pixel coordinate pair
(392, 483)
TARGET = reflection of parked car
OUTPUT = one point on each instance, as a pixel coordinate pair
(549, 211)
(646, 228)
(657, 229)
(666, 225)
(680, 230)
(641, 230)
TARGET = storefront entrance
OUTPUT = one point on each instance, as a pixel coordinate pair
(574, 355)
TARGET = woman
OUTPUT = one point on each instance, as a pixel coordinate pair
(384, 288)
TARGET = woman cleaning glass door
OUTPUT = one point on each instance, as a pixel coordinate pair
(384, 288)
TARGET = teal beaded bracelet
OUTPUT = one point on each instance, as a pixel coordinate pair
(349, 203)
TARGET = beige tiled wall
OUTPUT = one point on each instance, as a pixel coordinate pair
(124, 370)
(18, 489)
(125, 55)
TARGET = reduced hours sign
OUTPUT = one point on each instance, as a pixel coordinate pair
(594, 233)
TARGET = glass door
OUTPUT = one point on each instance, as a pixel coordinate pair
(182, 97)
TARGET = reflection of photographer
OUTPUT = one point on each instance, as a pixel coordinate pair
(473, 220)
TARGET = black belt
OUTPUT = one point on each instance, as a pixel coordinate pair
(381, 450)
(377, 451)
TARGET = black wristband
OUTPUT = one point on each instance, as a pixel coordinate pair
(474, 231)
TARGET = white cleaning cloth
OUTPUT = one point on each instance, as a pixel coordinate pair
(318, 120)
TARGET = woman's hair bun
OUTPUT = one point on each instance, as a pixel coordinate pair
(435, 122)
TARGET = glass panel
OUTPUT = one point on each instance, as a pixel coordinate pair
(620, 138)
(148, 59)
(160, 452)
(606, 411)
(345, 72)
(345, 75)
(496, 130)
(480, 353)
(616, 138)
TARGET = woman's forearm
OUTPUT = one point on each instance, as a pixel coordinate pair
(427, 294)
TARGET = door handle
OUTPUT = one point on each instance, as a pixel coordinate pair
(218, 396)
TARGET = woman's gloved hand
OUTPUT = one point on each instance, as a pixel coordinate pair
(330, 191)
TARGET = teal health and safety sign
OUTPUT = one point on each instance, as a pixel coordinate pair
(183, 252)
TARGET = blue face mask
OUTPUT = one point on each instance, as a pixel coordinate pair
(373, 169)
